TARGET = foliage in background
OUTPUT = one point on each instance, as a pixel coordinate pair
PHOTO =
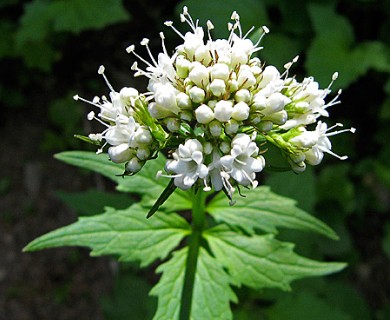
(349, 36)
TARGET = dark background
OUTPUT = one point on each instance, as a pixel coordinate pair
(51, 50)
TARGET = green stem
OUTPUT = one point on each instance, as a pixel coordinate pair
(198, 220)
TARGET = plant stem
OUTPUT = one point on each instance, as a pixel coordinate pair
(198, 220)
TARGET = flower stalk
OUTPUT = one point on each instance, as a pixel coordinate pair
(198, 222)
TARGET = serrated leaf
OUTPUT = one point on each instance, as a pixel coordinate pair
(262, 261)
(79, 15)
(264, 210)
(144, 182)
(212, 293)
(125, 233)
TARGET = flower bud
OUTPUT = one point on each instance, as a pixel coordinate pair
(199, 75)
(183, 101)
(197, 94)
(185, 115)
(265, 125)
(218, 87)
(202, 54)
(233, 85)
(134, 165)
(242, 95)
(240, 111)
(158, 112)
(269, 73)
(120, 153)
(215, 128)
(212, 104)
(207, 148)
(220, 71)
(278, 118)
(143, 153)
(204, 114)
(225, 147)
(259, 102)
(245, 78)
(223, 110)
(276, 102)
(143, 136)
(173, 124)
(182, 67)
(231, 127)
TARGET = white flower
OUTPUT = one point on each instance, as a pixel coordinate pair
(187, 164)
(316, 143)
(121, 132)
(243, 161)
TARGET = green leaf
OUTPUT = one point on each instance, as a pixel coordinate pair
(220, 11)
(78, 15)
(35, 23)
(306, 306)
(295, 186)
(333, 49)
(266, 261)
(335, 186)
(143, 183)
(92, 202)
(126, 233)
(262, 209)
(212, 292)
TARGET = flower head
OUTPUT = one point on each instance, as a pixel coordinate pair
(212, 105)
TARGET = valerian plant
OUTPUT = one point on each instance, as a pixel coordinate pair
(204, 122)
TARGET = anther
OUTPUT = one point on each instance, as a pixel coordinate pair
(130, 49)
(91, 116)
(101, 70)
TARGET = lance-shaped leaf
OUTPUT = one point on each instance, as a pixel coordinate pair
(265, 210)
(125, 233)
(262, 261)
(212, 293)
(144, 182)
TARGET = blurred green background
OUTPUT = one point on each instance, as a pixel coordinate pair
(51, 50)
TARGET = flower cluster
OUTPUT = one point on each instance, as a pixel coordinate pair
(211, 106)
